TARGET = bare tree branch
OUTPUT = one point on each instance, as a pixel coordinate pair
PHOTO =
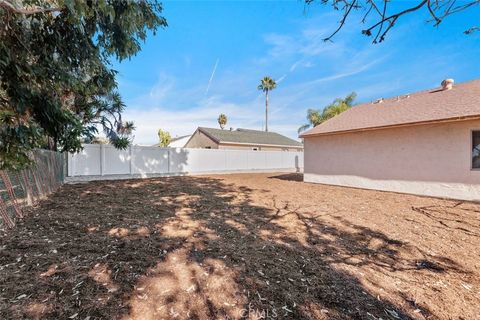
(7, 5)
(345, 16)
(472, 30)
(394, 16)
(437, 20)
(384, 12)
(382, 21)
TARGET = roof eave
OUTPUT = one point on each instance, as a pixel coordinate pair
(208, 135)
(419, 123)
(261, 144)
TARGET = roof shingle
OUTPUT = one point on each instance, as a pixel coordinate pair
(247, 136)
(461, 102)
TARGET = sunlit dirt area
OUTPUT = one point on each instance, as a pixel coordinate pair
(252, 246)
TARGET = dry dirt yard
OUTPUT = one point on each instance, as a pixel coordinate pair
(240, 246)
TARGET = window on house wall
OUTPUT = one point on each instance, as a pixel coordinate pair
(475, 149)
(255, 149)
(208, 147)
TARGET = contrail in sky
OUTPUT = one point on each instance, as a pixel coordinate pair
(211, 77)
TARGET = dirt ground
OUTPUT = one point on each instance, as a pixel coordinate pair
(251, 246)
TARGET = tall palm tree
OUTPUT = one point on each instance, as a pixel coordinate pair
(222, 120)
(316, 116)
(266, 84)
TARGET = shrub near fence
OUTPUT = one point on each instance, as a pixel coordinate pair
(25, 187)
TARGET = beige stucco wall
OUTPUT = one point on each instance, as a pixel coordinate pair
(432, 160)
(201, 140)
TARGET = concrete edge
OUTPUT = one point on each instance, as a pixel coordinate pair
(81, 179)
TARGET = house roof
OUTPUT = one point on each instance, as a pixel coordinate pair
(462, 102)
(247, 136)
(173, 140)
(180, 137)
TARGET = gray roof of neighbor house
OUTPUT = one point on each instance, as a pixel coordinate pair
(247, 136)
(462, 102)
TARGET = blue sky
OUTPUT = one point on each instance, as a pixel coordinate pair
(210, 58)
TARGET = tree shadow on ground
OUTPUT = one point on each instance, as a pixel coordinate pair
(289, 177)
(193, 248)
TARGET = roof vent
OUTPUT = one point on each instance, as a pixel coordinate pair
(447, 84)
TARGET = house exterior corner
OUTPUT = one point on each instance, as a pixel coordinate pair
(431, 160)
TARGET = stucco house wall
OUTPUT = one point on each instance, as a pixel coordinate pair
(201, 140)
(432, 160)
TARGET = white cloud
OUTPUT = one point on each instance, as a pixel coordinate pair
(173, 106)
(182, 122)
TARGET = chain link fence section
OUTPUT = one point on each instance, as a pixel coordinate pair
(19, 189)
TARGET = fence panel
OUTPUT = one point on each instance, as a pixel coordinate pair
(86, 162)
(149, 160)
(98, 160)
(25, 187)
(236, 160)
(115, 161)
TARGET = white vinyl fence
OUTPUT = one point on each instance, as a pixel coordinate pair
(104, 160)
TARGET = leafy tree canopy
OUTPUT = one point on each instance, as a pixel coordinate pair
(164, 138)
(56, 82)
(267, 84)
(316, 116)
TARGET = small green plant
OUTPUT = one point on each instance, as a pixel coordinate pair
(164, 138)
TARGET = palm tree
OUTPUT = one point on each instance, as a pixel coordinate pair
(222, 120)
(316, 116)
(266, 84)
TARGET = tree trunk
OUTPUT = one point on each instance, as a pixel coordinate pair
(266, 111)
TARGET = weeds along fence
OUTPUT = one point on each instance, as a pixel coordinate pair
(19, 189)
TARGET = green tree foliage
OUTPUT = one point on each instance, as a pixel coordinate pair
(316, 116)
(222, 120)
(266, 85)
(164, 138)
(56, 82)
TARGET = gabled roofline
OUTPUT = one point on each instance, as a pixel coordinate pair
(411, 124)
(181, 137)
(209, 136)
(242, 143)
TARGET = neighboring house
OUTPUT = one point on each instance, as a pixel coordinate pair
(244, 139)
(425, 143)
(179, 142)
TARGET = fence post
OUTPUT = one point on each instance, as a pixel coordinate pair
(71, 164)
(102, 158)
(169, 159)
(131, 159)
